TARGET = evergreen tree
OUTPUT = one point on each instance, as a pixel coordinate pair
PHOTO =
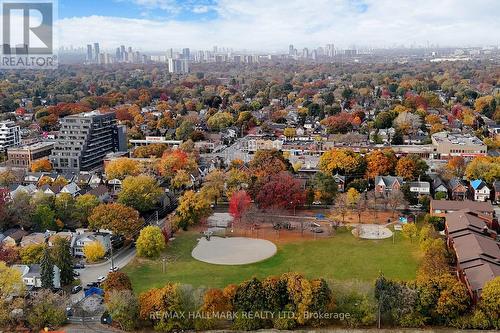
(62, 259)
(47, 269)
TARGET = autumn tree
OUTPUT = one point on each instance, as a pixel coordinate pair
(120, 219)
(341, 206)
(490, 301)
(64, 205)
(174, 161)
(46, 309)
(213, 186)
(380, 163)
(152, 150)
(150, 242)
(281, 191)
(84, 205)
(325, 188)
(236, 180)
(455, 167)
(42, 165)
(9, 254)
(94, 251)
(239, 204)
(116, 281)
(220, 121)
(192, 208)
(31, 254)
(121, 168)
(484, 167)
(141, 192)
(181, 179)
(343, 161)
(411, 167)
(123, 307)
(410, 231)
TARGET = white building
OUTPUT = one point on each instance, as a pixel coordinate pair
(32, 275)
(178, 66)
(9, 134)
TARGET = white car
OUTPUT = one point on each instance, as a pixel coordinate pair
(101, 278)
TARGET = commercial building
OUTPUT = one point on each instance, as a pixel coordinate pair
(448, 145)
(9, 134)
(84, 140)
(23, 156)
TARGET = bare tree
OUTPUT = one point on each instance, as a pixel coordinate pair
(341, 206)
(396, 199)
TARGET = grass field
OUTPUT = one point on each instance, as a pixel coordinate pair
(342, 257)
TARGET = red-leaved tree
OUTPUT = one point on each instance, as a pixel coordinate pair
(281, 191)
(239, 204)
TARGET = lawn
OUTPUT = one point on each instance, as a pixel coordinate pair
(342, 257)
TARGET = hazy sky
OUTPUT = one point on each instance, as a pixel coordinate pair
(273, 24)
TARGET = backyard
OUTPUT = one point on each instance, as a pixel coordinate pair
(341, 257)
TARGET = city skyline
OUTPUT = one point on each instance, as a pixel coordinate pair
(155, 25)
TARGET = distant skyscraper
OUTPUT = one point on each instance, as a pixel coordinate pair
(290, 49)
(305, 52)
(96, 52)
(170, 53)
(118, 54)
(122, 52)
(330, 50)
(185, 53)
(178, 66)
(89, 53)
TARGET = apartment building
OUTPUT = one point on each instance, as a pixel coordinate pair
(9, 135)
(84, 140)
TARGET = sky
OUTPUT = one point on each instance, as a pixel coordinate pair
(271, 25)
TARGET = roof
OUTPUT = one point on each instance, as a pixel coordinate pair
(15, 233)
(464, 221)
(455, 182)
(478, 184)
(388, 180)
(449, 205)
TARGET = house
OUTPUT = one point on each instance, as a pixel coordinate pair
(386, 184)
(68, 235)
(439, 187)
(32, 177)
(32, 275)
(13, 236)
(29, 189)
(341, 182)
(480, 190)
(496, 189)
(421, 188)
(476, 250)
(87, 237)
(50, 189)
(72, 189)
(95, 180)
(442, 207)
(101, 192)
(458, 189)
(35, 238)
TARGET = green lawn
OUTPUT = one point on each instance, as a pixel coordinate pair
(342, 257)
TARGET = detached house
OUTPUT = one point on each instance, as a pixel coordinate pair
(87, 237)
(32, 275)
(480, 190)
(496, 189)
(386, 184)
(458, 189)
(439, 187)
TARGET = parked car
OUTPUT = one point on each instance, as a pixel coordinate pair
(101, 279)
(76, 273)
(92, 284)
(317, 230)
(76, 289)
(114, 269)
(78, 265)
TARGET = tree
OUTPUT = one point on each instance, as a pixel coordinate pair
(122, 167)
(344, 161)
(84, 205)
(42, 165)
(44, 218)
(281, 191)
(64, 205)
(47, 269)
(239, 204)
(490, 301)
(289, 132)
(220, 121)
(123, 307)
(175, 160)
(213, 186)
(395, 199)
(484, 167)
(152, 150)
(31, 254)
(61, 254)
(9, 254)
(236, 180)
(192, 208)
(120, 219)
(456, 167)
(11, 282)
(181, 179)
(341, 206)
(150, 242)
(94, 251)
(352, 197)
(410, 231)
(116, 281)
(453, 301)
(47, 309)
(408, 122)
(21, 210)
(411, 167)
(339, 123)
(141, 192)
(380, 163)
(7, 178)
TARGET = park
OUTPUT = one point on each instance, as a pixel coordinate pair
(243, 252)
